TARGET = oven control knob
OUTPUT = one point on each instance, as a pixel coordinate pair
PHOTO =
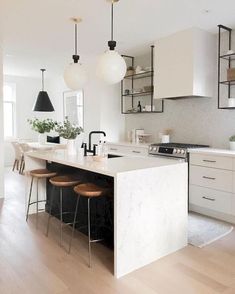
(174, 151)
(182, 151)
(154, 148)
(178, 151)
(150, 148)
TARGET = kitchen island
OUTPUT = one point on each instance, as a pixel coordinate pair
(150, 203)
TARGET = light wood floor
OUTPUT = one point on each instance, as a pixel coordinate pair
(30, 263)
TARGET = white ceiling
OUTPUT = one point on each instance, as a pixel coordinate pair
(38, 33)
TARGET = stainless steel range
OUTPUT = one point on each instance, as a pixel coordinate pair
(176, 150)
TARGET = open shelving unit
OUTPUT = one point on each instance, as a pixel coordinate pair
(225, 61)
(129, 100)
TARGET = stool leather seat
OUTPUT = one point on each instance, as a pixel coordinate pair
(90, 190)
(65, 181)
(42, 173)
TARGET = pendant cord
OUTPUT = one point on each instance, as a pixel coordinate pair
(43, 70)
(76, 39)
(112, 22)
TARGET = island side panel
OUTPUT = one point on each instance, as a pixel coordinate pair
(150, 215)
(31, 164)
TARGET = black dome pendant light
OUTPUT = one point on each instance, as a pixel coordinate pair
(43, 102)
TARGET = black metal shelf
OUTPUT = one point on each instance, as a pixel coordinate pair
(143, 112)
(132, 78)
(138, 94)
(147, 74)
(228, 83)
(228, 56)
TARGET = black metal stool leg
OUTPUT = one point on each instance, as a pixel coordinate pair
(89, 230)
(61, 216)
(37, 206)
(30, 194)
(74, 222)
(50, 210)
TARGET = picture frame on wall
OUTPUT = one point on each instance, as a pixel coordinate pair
(73, 105)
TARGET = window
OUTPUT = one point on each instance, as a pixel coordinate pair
(9, 98)
(74, 107)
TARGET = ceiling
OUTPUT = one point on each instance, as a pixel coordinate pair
(38, 33)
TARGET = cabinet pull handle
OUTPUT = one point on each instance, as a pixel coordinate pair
(208, 198)
(208, 178)
(207, 160)
(135, 151)
(114, 149)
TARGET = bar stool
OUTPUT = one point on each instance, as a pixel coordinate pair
(89, 191)
(38, 174)
(61, 182)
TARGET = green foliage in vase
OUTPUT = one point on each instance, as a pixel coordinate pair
(232, 139)
(42, 126)
(67, 130)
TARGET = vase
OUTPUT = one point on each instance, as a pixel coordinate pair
(232, 145)
(71, 147)
(41, 138)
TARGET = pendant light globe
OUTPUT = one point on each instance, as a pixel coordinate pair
(75, 75)
(111, 66)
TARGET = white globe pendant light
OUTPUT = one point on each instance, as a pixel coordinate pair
(75, 76)
(111, 66)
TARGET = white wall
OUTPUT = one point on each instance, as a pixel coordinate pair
(1, 126)
(193, 120)
(26, 93)
(101, 106)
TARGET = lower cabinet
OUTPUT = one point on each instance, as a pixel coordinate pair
(212, 186)
(127, 150)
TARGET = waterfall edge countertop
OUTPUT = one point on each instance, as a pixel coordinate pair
(109, 167)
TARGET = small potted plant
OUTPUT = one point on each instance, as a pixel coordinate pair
(41, 127)
(69, 131)
(232, 142)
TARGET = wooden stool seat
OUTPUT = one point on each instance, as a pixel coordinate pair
(90, 190)
(42, 173)
(65, 181)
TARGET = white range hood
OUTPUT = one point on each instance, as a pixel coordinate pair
(185, 65)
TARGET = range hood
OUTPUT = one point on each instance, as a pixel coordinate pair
(185, 65)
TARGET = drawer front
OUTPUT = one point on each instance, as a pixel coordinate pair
(211, 199)
(211, 178)
(211, 161)
(126, 150)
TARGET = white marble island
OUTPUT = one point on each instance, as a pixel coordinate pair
(150, 204)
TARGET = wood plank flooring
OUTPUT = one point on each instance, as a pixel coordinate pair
(30, 263)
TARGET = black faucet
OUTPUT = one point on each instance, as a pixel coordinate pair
(90, 149)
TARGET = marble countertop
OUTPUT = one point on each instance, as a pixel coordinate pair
(213, 151)
(110, 167)
(144, 145)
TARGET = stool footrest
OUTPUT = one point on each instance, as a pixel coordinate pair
(39, 201)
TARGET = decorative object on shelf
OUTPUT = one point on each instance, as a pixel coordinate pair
(232, 142)
(130, 71)
(225, 101)
(139, 107)
(129, 105)
(75, 76)
(231, 74)
(231, 102)
(42, 127)
(138, 132)
(43, 102)
(111, 66)
(69, 131)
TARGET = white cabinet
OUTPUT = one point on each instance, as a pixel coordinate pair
(127, 149)
(185, 64)
(212, 185)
